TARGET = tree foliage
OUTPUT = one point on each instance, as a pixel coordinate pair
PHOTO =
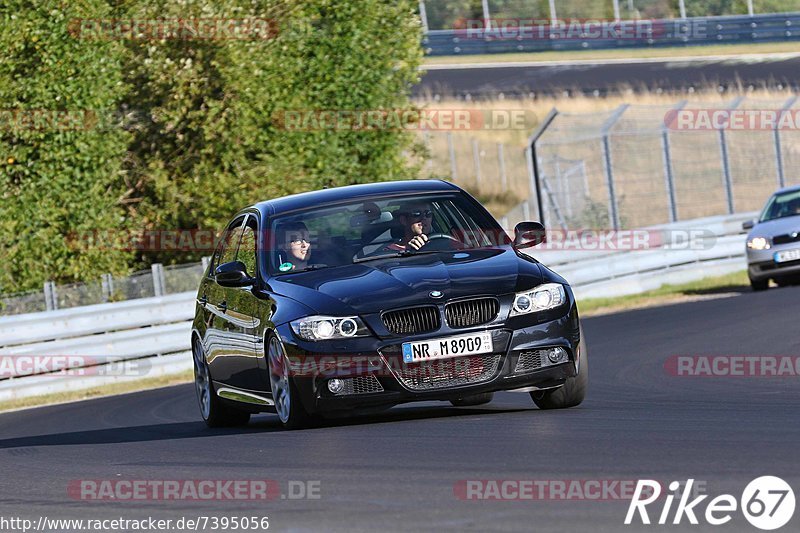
(188, 132)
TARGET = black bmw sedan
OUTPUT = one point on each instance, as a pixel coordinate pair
(368, 296)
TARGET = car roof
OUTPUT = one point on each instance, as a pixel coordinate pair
(791, 188)
(335, 194)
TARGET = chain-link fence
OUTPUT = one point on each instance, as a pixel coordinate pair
(157, 281)
(451, 14)
(634, 166)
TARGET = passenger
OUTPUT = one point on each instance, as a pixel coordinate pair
(294, 246)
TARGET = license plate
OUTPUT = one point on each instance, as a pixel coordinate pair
(475, 344)
(787, 255)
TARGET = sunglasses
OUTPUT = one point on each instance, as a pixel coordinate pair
(419, 213)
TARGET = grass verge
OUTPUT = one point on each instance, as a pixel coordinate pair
(97, 392)
(712, 287)
(621, 53)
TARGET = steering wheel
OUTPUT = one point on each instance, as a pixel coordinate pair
(442, 245)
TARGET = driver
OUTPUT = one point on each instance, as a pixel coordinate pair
(294, 246)
(415, 220)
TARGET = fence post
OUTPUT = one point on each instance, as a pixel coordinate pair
(487, 20)
(778, 148)
(669, 176)
(158, 279)
(107, 281)
(50, 296)
(533, 160)
(452, 149)
(726, 163)
(205, 260)
(476, 157)
(426, 139)
(501, 158)
(613, 208)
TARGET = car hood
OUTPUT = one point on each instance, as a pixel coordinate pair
(375, 286)
(779, 226)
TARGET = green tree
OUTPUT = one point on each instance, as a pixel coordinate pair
(59, 168)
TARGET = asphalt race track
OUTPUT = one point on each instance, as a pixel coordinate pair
(609, 78)
(397, 470)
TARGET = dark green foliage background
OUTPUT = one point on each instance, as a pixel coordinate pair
(185, 131)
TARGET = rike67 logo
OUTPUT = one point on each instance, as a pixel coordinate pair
(767, 503)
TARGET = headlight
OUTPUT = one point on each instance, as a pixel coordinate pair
(758, 243)
(547, 296)
(321, 328)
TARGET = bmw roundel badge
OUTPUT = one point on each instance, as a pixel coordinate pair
(436, 294)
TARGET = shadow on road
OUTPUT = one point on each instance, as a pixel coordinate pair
(266, 424)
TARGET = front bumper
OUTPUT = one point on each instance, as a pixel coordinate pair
(379, 363)
(761, 264)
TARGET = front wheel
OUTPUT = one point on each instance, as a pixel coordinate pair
(215, 413)
(759, 285)
(572, 392)
(284, 392)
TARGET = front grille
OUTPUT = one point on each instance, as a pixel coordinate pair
(361, 385)
(413, 320)
(529, 361)
(787, 238)
(471, 312)
(446, 373)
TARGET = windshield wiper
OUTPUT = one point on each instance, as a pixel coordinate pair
(404, 253)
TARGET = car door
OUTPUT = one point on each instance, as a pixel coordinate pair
(230, 345)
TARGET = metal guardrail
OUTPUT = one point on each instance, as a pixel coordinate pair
(666, 32)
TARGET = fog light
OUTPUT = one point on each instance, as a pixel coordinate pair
(557, 355)
(335, 385)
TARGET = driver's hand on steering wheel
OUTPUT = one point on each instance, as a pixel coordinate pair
(418, 242)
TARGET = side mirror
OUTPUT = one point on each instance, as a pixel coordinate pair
(527, 234)
(233, 274)
(747, 225)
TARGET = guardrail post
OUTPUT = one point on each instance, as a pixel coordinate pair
(726, 163)
(613, 208)
(423, 15)
(158, 279)
(452, 149)
(778, 148)
(50, 296)
(107, 282)
(501, 161)
(476, 157)
(669, 177)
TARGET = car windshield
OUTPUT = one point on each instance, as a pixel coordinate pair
(781, 206)
(373, 229)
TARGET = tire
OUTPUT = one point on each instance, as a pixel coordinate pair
(475, 399)
(215, 413)
(570, 393)
(759, 285)
(288, 407)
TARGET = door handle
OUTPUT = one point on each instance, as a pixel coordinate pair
(223, 306)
